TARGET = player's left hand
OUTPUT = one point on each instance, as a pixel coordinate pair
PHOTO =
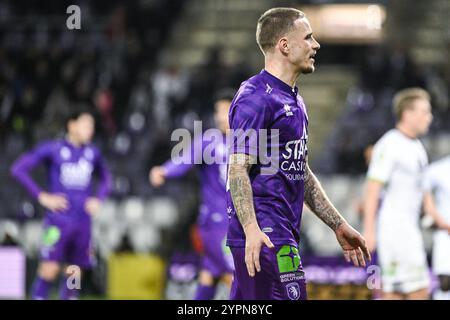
(353, 245)
(92, 205)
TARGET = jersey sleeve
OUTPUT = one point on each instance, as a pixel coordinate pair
(21, 168)
(181, 163)
(105, 183)
(248, 115)
(382, 162)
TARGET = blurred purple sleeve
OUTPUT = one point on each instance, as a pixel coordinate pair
(105, 184)
(181, 164)
(176, 170)
(22, 167)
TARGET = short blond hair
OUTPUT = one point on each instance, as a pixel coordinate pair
(402, 100)
(274, 24)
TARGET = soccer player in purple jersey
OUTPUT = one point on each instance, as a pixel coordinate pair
(265, 208)
(212, 221)
(70, 200)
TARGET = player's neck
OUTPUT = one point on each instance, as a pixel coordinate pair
(282, 70)
(406, 131)
(73, 141)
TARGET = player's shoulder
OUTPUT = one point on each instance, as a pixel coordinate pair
(251, 90)
(49, 144)
(392, 135)
(390, 138)
(388, 146)
(440, 165)
(301, 100)
(91, 151)
(251, 98)
(445, 162)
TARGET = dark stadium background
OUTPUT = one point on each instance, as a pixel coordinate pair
(148, 67)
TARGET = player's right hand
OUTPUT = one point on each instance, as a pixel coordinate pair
(55, 202)
(157, 176)
(254, 240)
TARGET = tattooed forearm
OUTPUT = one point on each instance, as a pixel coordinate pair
(241, 188)
(318, 202)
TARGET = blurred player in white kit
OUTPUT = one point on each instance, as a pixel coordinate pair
(394, 176)
(437, 204)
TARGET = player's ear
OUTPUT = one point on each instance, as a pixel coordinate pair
(283, 45)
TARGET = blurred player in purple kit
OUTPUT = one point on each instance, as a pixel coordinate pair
(212, 221)
(265, 208)
(70, 200)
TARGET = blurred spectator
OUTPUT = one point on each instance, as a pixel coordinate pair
(170, 88)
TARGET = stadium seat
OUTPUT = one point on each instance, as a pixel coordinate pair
(107, 213)
(163, 211)
(133, 210)
(144, 238)
(31, 238)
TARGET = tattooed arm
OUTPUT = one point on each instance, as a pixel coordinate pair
(352, 243)
(241, 188)
(318, 202)
(242, 196)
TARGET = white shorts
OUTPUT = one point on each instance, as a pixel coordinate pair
(402, 259)
(441, 253)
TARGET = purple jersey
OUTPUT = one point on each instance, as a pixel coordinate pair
(70, 172)
(265, 102)
(212, 179)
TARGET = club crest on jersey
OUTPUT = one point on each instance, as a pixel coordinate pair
(89, 154)
(288, 111)
(293, 291)
(65, 153)
(268, 89)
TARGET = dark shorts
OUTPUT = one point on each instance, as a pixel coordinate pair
(281, 276)
(67, 242)
(217, 258)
